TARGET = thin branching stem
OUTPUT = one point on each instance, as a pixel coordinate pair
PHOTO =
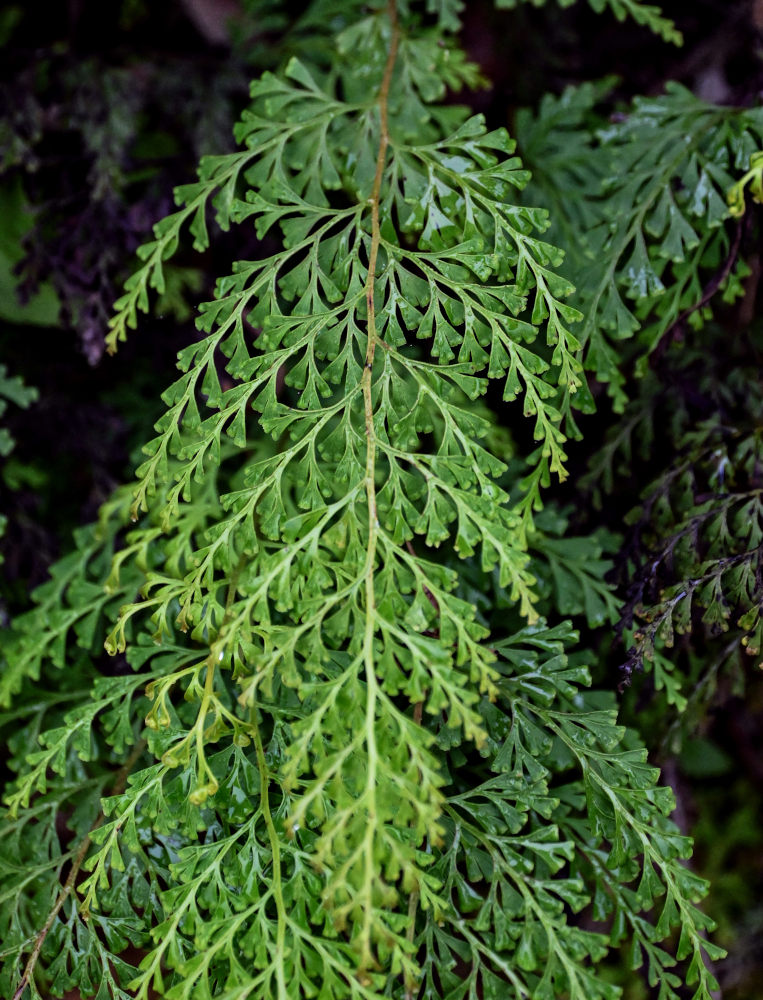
(369, 874)
(79, 858)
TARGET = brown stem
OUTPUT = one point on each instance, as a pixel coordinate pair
(373, 254)
(675, 331)
(119, 786)
(366, 958)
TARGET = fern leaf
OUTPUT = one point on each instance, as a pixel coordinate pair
(312, 675)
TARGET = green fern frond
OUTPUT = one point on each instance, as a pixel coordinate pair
(658, 246)
(648, 15)
(12, 390)
(310, 686)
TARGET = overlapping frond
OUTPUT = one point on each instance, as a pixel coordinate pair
(660, 242)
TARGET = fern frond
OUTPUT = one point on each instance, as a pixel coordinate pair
(648, 15)
(663, 172)
(12, 390)
(312, 674)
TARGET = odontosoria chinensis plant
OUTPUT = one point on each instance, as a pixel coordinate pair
(313, 772)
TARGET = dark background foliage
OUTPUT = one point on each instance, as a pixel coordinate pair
(107, 106)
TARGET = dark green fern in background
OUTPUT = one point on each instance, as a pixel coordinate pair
(348, 743)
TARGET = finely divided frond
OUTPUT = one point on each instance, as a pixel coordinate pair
(346, 789)
(662, 170)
